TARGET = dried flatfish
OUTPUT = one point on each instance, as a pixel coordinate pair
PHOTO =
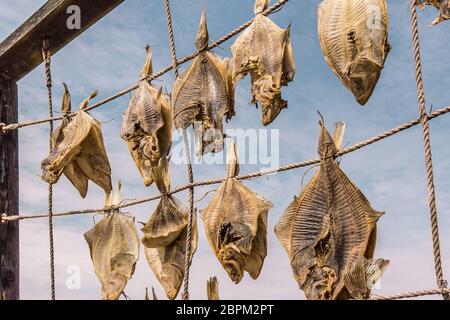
(264, 50)
(78, 150)
(170, 216)
(204, 94)
(354, 39)
(212, 289)
(442, 5)
(328, 228)
(236, 224)
(147, 124)
(114, 246)
(167, 263)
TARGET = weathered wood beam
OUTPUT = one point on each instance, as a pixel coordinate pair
(21, 51)
(9, 193)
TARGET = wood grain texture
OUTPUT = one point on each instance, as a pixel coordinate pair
(21, 51)
(9, 193)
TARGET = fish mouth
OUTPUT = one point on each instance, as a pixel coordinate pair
(234, 271)
(271, 111)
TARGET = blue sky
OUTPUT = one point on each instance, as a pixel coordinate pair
(391, 174)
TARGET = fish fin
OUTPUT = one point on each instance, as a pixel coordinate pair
(374, 269)
(355, 279)
(202, 39)
(66, 104)
(85, 102)
(260, 6)
(232, 159)
(148, 68)
(338, 134)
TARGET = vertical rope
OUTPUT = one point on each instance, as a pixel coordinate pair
(442, 284)
(48, 77)
(187, 263)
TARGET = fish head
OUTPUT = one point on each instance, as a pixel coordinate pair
(172, 280)
(319, 283)
(233, 262)
(267, 93)
(363, 74)
(54, 164)
(149, 147)
(114, 286)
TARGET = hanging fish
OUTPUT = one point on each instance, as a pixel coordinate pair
(78, 150)
(329, 231)
(212, 289)
(170, 216)
(114, 246)
(147, 124)
(264, 50)
(236, 224)
(353, 35)
(442, 5)
(167, 263)
(204, 94)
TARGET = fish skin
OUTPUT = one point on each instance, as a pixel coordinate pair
(264, 51)
(354, 48)
(114, 247)
(204, 93)
(147, 125)
(442, 5)
(78, 151)
(327, 227)
(236, 224)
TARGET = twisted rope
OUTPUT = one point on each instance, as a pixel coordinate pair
(277, 6)
(428, 158)
(411, 294)
(48, 76)
(296, 165)
(187, 261)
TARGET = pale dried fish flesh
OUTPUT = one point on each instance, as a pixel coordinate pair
(204, 94)
(212, 289)
(236, 224)
(147, 124)
(114, 246)
(265, 51)
(78, 151)
(328, 228)
(442, 5)
(354, 39)
(170, 216)
(167, 263)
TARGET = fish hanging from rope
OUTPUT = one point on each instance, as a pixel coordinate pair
(203, 95)
(212, 288)
(329, 231)
(165, 236)
(170, 216)
(78, 150)
(236, 224)
(353, 35)
(265, 51)
(147, 124)
(114, 247)
(442, 5)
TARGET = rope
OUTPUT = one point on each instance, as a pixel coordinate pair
(412, 294)
(251, 175)
(187, 261)
(428, 158)
(272, 9)
(48, 76)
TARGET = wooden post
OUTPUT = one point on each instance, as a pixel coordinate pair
(9, 193)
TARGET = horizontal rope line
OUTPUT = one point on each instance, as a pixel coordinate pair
(291, 166)
(411, 294)
(272, 9)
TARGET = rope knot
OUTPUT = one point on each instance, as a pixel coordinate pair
(3, 129)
